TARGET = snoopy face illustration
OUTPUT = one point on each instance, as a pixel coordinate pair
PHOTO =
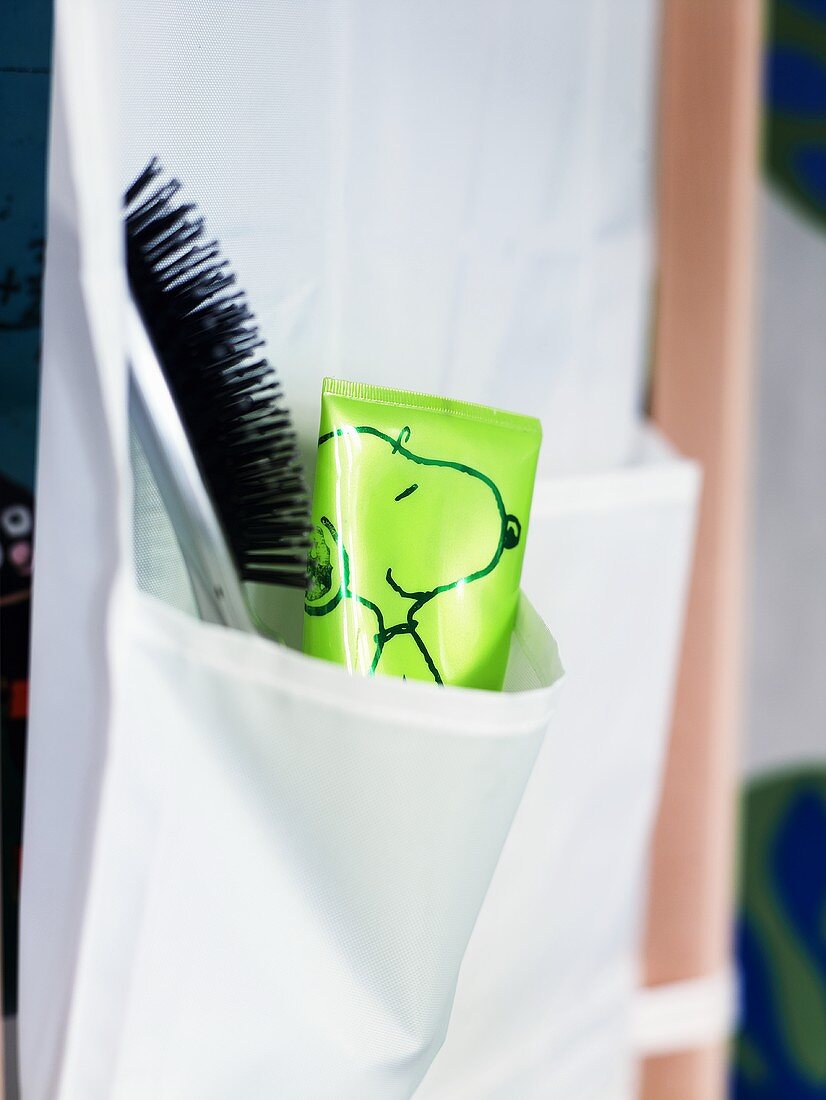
(413, 527)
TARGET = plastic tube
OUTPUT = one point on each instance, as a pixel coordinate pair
(420, 515)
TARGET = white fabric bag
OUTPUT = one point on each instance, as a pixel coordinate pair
(373, 257)
(246, 873)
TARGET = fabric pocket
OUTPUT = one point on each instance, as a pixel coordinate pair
(547, 992)
(288, 865)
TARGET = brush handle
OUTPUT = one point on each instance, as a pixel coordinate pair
(216, 586)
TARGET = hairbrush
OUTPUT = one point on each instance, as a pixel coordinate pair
(208, 408)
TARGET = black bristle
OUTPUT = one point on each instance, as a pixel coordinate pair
(228, 396)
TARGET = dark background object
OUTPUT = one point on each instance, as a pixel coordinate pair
(25, 62)
(16, 529)
(795, 104)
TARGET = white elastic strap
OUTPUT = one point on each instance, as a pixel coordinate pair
(685, 1015)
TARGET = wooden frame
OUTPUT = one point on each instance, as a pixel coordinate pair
(709, 112)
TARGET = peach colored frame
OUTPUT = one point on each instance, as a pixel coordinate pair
(709, 111)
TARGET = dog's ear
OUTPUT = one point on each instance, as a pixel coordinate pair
(319, 565)
(513, 532)
(325, 583)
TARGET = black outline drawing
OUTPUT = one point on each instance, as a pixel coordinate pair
(509, 535)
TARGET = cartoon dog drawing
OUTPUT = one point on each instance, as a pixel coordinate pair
(440, 525)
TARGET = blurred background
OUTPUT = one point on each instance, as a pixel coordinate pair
(732, 345)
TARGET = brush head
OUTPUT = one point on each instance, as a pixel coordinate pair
(226, 392)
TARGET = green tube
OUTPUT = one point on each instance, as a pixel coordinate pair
(420, 515)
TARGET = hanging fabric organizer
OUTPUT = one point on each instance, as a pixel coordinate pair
(262, 872)
(247, 874)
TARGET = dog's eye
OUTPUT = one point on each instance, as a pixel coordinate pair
(16, 521)
(513, 532)
(406, 492)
